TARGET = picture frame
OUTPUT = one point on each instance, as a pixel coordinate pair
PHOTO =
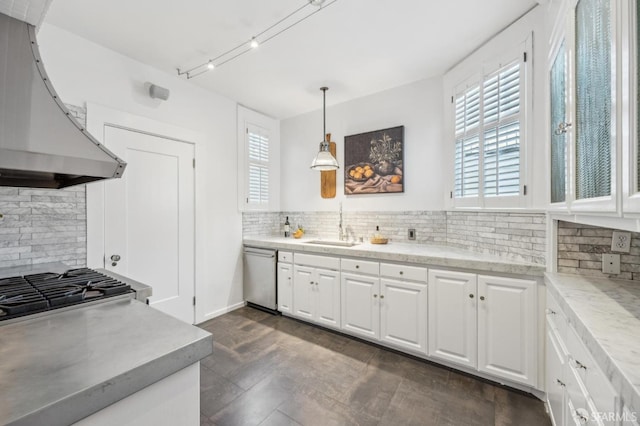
(374, 162)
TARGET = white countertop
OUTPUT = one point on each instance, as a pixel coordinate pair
(426, 254)
(606, 315)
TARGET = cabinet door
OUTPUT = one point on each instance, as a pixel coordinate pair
(303, 294)
(327, 297)
(403, 314)
(361, 305)
(452, 317)
(507, 328)
(554, 367)
(285, 287)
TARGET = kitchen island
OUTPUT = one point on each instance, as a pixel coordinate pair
(117, 362)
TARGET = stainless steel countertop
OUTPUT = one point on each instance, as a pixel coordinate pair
(425, 254)
(60, 368)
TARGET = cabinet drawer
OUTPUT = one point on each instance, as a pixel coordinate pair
(317, 261)
(360, 266)
(595, 382)
(414, 273)
(285, 256)
(555, 317)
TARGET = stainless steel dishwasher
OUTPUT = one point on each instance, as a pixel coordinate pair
(260, 278)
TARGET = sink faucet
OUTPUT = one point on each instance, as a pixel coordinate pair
(340, 229)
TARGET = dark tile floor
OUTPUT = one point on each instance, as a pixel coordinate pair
(272, 370)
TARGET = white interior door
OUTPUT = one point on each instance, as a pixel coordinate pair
(149, 218)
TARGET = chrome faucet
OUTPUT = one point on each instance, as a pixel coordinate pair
(340, 229)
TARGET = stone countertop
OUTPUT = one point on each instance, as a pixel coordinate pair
(426, 254)
(606, 315)
(59, 368)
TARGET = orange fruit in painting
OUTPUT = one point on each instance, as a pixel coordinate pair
(395, 179)
(359, 169)
(352, 173)
(367, 167)
(357, 176)
(368, 173)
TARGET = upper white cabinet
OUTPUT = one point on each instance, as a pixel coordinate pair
(585, 111)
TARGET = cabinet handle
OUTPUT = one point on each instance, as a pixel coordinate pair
(310, 282)
(382, 296)
(481, 297)
(357, 266)
(401, 273)
(375, 295)
(560, 382)
(578, 364)
(471, 296)
(562, 128)
(581, 418)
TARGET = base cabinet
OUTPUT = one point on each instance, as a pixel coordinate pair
(316, 295)
(507, 328)
(361, 305)
(484, 322)
(452, 317)
(285, 287)
(403, 314)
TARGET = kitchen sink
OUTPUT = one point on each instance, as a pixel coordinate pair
(333, 243)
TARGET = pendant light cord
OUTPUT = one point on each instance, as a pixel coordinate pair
(324, 114)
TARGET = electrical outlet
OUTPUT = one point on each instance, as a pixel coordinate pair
(611, 264)
(621, 241)
(411, 234)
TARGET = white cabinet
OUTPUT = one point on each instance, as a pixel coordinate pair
(285, 287)
(316, 290)
(403, 314)
(507, 328)
(361, 305)
(484, 322)
(392, 310)
(452, 317)
(577, 390)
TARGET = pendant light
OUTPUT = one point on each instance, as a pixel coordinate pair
(324, 160)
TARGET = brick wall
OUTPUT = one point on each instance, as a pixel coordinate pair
(580, 249)
(41, 225)
(515, 236)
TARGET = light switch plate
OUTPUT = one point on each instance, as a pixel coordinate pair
(621, 241)
(611, 264)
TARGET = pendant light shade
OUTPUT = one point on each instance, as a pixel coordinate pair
(324, 161)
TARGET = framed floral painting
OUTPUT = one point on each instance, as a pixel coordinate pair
(374, 162)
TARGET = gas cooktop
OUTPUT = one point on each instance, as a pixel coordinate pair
(30, 294)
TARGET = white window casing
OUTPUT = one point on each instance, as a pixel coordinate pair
(491, 128)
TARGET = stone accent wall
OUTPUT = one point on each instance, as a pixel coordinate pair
(580, 249)
(42, 225)
(515, 236)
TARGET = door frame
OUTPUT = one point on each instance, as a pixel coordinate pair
(99, 117)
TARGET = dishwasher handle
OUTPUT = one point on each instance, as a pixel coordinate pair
(259, 252)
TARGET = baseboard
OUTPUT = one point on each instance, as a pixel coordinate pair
(212, 315)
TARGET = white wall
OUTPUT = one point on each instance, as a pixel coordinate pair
(82, 72)
(417, 106)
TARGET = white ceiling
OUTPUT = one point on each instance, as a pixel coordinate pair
(356, 47)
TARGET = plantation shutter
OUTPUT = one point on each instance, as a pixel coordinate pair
(467, 160)
(258, 166)
(501, 104)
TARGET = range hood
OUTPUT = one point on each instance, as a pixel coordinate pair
(41, 144)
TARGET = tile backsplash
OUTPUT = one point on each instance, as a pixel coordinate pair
(515, 236)
(580, 249)
(44, 225)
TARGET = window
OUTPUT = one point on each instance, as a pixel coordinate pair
(489, 133)
(257, 140)
(258, 161)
